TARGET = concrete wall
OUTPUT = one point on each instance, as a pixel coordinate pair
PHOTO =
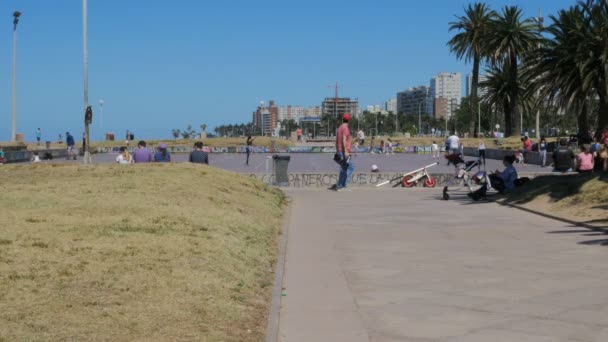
(358, 179)
(16, 156)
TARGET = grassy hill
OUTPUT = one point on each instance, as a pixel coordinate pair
(163, 252)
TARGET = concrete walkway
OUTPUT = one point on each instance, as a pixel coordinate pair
(402, 265)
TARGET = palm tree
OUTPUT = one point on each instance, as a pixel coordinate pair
(594, 54)
(470, 44)
(509, 39)
(557, 67)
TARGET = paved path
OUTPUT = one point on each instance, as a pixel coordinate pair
(401, 265)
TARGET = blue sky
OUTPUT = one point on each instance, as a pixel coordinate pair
(160, 65)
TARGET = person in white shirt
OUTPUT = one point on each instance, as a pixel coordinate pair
(482, 152)
(361, 137)
(36, 158)
(124, 157)
(453, 143)
(435, 150)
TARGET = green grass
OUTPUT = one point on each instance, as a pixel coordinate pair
(163, 252)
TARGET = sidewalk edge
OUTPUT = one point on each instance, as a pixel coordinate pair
(272, 329)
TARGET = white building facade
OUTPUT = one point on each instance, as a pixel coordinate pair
(447, 86)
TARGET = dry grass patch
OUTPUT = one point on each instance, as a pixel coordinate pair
(165, 252)
(577, 197)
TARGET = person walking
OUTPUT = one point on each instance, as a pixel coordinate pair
(69, 140)
(198, 155)
(435, 150)
(248, 147)
(38, 136)
(142, 154)
(343, 150)
(482, 152)
(542, 148)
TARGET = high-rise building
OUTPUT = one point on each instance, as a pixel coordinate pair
(374, 108)
(449, 86)
(265, 118)
(469, 81)
(296, 113)
(313, 112)
(336, 107)
(415, 99)
(391, 105)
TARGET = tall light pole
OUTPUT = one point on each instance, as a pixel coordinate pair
(87, 153)
(16, 16)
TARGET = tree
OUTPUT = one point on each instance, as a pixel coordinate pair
(470, 44)
(557, 67)
(175, 133)
(203, 128)
(594, 55)
(510, 38)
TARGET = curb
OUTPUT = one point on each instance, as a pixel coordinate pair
(557, 218)
(272, 329)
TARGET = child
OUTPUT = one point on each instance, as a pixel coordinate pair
(435, 149)
(36, 158)
(519, 158)
(382, 146)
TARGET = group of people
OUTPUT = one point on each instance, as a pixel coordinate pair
(143, 155)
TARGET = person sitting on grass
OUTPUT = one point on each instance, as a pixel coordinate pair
(162, 155)
(504, 181)
(585, 160)
(198, 155)
(124, 157)
(563, 157)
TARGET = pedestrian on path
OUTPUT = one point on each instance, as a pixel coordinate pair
(482, 152)
(38, 136)
(343, 150)
(248, 147)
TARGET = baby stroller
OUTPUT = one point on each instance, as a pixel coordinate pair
(475, 186)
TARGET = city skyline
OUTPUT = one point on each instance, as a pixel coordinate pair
(159, 67)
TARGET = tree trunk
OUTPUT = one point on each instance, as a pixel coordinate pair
(514, 105)
(507, 109)
(602, 116)
(474, 97)
(583, 120)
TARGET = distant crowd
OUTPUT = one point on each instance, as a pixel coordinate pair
(144, 155)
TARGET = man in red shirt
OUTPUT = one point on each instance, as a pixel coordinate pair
(343, 149)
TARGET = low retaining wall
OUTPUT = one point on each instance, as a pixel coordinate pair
(325, 180)
(25, 156)
(358, 179)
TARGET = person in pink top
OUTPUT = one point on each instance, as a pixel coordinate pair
(585, 160)
(342, 157)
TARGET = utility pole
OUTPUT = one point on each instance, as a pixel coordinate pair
(16, 16)
(87, 152)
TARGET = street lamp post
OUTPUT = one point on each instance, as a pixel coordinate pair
(16, 16)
